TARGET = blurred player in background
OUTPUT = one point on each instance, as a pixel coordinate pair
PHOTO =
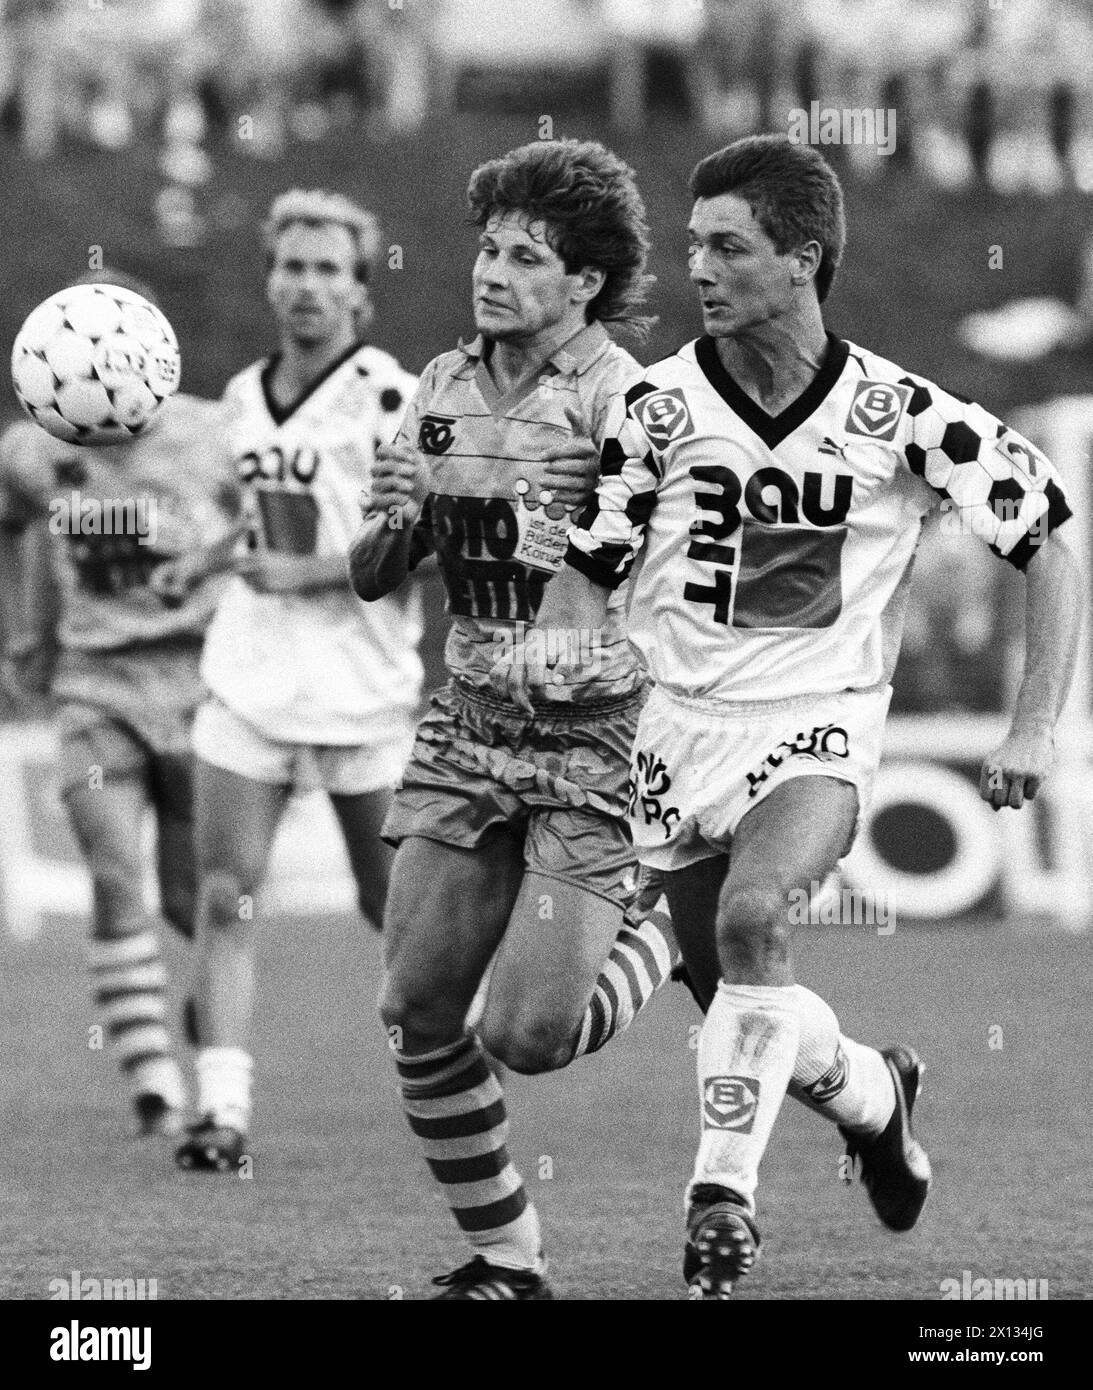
(126, 684)
(309, 687)
(775, 479)
(510, 820)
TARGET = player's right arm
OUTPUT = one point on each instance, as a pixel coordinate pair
(29, 607)
(608, 534)
(396, 533)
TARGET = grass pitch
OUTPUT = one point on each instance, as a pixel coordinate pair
(342, 1206)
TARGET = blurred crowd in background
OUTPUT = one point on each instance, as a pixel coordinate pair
(989, 90)
(990, 93)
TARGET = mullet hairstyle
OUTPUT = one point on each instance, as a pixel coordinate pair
(318, 208)
(793, 192)
(592, 212)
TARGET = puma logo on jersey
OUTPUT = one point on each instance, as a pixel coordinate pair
(436, 434)
(876, 409)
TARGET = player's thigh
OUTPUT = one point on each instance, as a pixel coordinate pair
(693, 896)
(792, 840)
(108, 823)
(579, 879)
(235, 821)
(447, 909)
(361, 818)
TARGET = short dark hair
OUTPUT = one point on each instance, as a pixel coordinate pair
(793, 192)
(592, 212)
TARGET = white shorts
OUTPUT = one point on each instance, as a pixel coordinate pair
(695, 771)
(224, 739)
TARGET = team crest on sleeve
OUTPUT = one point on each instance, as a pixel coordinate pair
(876, 409)
(437, 434)
(665, 417)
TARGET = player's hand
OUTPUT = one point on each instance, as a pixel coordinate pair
(1014, 772)
(174, 580)
(572, 467)
(271, 572)
(397, 479)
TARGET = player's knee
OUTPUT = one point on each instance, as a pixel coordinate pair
(753, 924)
(417, 1019)
(528, 1045)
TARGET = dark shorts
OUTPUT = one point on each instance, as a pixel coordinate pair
(557, 778)
(129, 714)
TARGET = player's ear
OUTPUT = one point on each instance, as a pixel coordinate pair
(365, 309)
(589, 283)
(805, 262)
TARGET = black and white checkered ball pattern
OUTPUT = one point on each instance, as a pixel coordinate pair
(93, 363)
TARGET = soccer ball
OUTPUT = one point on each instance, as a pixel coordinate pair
(93, 364)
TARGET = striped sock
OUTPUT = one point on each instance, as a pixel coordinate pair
(129, 986)
(456, 1108)
(639, 963)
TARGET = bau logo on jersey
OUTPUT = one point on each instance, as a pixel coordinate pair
(730, 1102)
(436, 434)
(876, 409)
(664, 417)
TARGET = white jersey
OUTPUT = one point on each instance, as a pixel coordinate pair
(318, 667)
(776, 550)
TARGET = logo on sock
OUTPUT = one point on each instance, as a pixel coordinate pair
(828, 1086)
(730, 1102)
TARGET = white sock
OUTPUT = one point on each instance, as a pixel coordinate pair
(836, 1076)
(746, 1052)
(223, 1085)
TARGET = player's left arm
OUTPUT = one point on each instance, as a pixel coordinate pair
(997, 485)
(1013, 773)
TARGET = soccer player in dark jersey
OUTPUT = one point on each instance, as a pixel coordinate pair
(774, 479)
(510, 820)
(126, 686)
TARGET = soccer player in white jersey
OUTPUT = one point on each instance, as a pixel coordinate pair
(309, 686)
(510, 821)
(766, 486)
(106, 519)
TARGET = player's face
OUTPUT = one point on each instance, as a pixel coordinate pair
(742, 280)
(312, 286)
(520, 284)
